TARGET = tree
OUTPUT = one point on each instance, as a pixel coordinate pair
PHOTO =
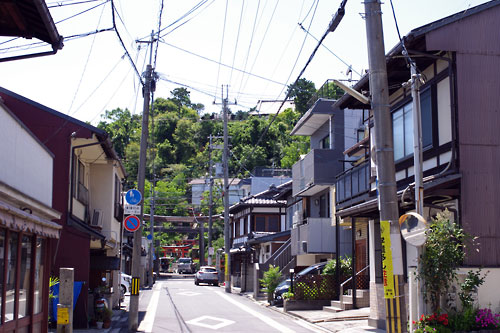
(302, 92)
(122, 127)
(180, 96)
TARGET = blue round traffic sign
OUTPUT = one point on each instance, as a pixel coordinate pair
(133, 197)
(131, 223)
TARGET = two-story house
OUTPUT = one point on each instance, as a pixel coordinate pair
(459, 112)
(86, 178)
(258, 230)
(315, 234)
(27, 229)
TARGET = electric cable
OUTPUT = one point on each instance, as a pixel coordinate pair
(237, 40)
(123, 45)
(83, 12)
(221, 48)
(333, 24)
(62, 4)
(250, 43)
(222, 64)
(261, 43)
(158, 38)
(85, 66)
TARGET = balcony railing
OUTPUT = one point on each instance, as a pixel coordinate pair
(353, 182)
(317, 235)
(318, 167)
(328, 90)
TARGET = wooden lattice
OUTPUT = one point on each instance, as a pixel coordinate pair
(315, 287)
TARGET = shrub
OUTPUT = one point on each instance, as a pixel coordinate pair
(486, 320)
(272, 278)
(444, 253)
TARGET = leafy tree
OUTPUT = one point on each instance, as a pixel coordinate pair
(180, 96)
(302, 92)
(122, 127)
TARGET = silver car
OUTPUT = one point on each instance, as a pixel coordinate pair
(206, 274)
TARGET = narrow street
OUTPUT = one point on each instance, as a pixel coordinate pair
(178, 305)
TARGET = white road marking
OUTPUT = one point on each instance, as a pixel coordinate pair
(189, 293)
(257, 315)
(149, 319)
(221, 322)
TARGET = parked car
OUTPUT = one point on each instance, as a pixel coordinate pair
(185, 265)
(126, 280)
(284, 286)
(206, 274)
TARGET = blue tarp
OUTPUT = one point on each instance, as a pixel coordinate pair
(77, 287)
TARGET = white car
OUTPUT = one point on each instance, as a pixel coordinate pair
(126, 280)
(206, 274)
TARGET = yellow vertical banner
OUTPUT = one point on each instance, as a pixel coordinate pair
(387, 271)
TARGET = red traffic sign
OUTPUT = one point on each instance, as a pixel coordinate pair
(131, 223)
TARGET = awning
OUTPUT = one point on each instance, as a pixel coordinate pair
(17, 219)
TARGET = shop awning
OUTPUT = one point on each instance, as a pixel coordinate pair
(17, 219)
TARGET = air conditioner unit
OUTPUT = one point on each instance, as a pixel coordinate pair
(96, 218)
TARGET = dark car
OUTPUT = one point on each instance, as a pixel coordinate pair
(284, 286)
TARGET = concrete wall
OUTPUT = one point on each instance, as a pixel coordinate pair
(26, 164)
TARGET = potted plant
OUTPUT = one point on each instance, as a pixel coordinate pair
(106, 317)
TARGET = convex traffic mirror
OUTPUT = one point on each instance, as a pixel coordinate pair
(413, 227)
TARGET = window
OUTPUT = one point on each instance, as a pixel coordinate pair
(402, 126)
(80, 191)
(267, 223)
(10, 286)
(118, 199)
(325, 143)
(324, 205)
(25, 277)
(260, 223)
(39, 271)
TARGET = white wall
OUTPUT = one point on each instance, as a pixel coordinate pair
(25, 164)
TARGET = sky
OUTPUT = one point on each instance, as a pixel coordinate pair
(255, 47)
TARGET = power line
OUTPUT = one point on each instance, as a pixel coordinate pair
(123, 45)
(250, 44)
(221, 48)
(62, 4)
(332, 26)
(222, 64)
(157, 40)
(237, 40)
(82, 12)
(85, 66)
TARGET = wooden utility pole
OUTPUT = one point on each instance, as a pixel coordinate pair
(137, 268)
(225, 193)
(210, 203)
(386, 175)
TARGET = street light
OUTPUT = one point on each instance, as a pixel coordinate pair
(292, 270)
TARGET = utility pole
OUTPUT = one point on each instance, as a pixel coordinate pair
(388, 203)
(137, 268)
(416, 298)
(210, 204)
(225, 192)
(151, 231)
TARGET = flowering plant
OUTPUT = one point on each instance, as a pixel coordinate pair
(432, 323)
(485, 319)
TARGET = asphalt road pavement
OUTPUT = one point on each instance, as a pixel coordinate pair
(178, 305)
